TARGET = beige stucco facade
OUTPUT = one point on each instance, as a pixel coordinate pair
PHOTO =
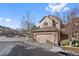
(58, 23)
(48, 33)
(45, 20)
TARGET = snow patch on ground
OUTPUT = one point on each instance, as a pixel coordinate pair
(56, 49)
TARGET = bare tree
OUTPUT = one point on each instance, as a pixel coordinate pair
(70, 27)
(27, 23)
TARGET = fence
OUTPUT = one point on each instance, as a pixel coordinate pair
(13, 39)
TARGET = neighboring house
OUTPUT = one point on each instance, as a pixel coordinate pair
(49, 30)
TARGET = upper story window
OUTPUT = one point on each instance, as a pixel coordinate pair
(45, 23)
(53, 23)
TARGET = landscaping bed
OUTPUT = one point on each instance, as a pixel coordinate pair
(74, 49)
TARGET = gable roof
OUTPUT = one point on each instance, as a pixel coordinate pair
(50, 17)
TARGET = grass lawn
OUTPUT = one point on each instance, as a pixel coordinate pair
(75, 49)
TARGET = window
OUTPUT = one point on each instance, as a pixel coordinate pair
(53, 23)
(45, 24)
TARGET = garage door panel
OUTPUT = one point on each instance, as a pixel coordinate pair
(44, 38)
